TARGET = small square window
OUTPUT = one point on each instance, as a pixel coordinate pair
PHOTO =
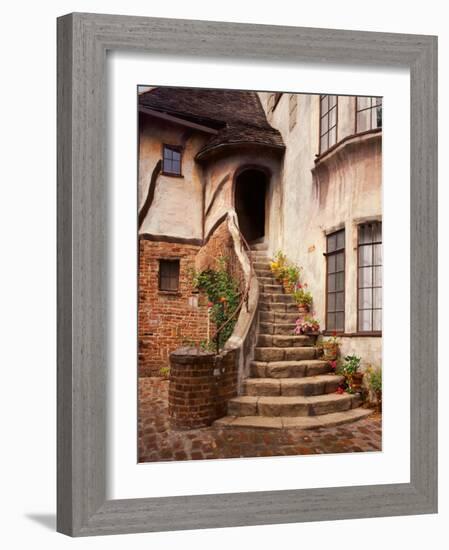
(169, 275)
(172, 160)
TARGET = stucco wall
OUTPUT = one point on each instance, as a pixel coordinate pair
(342, 189)
(176, 209)
(219, 175)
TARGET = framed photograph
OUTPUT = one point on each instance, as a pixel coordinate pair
(247, 274)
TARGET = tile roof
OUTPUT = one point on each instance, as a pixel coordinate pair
(237, 115)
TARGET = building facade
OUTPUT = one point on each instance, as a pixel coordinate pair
(303, 174)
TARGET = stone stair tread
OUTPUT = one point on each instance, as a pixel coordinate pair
(289, 422)
(291, 399)
(307, 385)
(291, 381)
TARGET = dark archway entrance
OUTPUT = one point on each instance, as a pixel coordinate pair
(250, 196)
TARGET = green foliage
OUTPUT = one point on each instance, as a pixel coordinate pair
(349, 366)
(374, 379)
(164, 372)
(223, 294)
(303, 297)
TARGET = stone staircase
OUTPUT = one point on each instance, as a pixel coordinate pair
(289, 386)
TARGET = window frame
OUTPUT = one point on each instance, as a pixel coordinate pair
(178, 149)
(372, 243)
(172, 261)
(320, 134)
(371, 107)
(327, 254)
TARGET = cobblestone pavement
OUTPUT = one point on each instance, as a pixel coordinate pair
(158, 442)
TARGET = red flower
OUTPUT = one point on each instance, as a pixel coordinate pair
(222, 299)
(210, 304)
(334, 333)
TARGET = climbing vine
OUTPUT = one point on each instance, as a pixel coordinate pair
(223, 295)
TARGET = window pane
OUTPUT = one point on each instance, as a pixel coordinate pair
(324, 124)
(377, 254)
(324, 104)
(176, 156)
(377, 319)
(378, 117)
(377, 232)
(365, 277)
(168, 166)
(332, 101)
(377, 298)
(333, 136)
(323, 143)
(167, 153)
(332, 118)
(330, 325)
(331, 283)
(340, 301)
(365, 233)
(340, 261)
(363, 103)
(176, 167)
(340, 281)
(365, 320)
(340, 321)
(365, 255)
(341, 239)
(377, 279)
(365, 298)
(331, 242)
(331, 263)
(331, 302)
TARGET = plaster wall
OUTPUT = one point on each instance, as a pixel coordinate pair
(339, 190)
(176, 209)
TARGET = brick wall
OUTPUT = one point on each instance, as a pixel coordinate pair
(200, 387)
(220, 244)
(166, 320)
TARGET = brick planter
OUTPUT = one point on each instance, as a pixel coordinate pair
(200, 387)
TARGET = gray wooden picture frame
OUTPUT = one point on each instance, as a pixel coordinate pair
(83, 40)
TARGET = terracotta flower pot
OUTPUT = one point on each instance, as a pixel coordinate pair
(303, 308)
(330, 351)
(356, 381)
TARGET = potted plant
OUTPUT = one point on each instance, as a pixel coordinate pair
(278, 266)
(374, 380)
(307, 325)
(331, 347)
(349, 368)
(291, 278)
(303, 298)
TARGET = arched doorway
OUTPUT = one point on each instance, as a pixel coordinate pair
(249, 200)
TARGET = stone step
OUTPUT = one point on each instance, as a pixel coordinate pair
(259, 246)
(273, 289)
(262, 265)
(300, 422)
(314, 405)
(266, 281)
(279, 307)
(284, 354)
(266, 316)
(262, 272)
(289, 369)
(276, 328)
(278, 297)
(310, 385)
(283, 341)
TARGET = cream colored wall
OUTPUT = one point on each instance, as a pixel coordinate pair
(227, 166)
(177, 206)
(341, 191)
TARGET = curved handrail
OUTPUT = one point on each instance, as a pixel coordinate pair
(245, 295)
